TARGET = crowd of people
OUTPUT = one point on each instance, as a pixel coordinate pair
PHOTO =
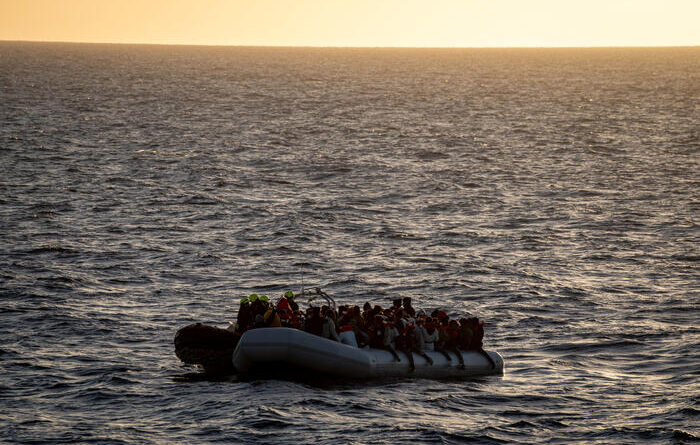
(396, 328)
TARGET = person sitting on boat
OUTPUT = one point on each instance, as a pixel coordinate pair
(472, 337)
(466, 334)
(258, 307)
(450, 340)
(314, 321)
(271, 319)
(297, 320)
(415, 339)
(352, 320)
(440, 317)
(389, 341)
(347, 335)
(369, 316)
(328, 326)
(358, 324)
(289, 295)
(402, 342)
(375, 328)
(430, 336)
(406, 342)
(284, 309)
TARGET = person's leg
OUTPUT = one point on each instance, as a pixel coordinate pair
(426, 357)
(409, 354)
(443, 352)
(459, 356)
(393, 352)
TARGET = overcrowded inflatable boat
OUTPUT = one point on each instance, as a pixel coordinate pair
(278, 340)
(286, 352)
(270, 349)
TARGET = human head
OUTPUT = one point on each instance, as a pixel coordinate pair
(406, 301)
(397, 302)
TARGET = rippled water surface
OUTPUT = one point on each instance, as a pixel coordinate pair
(552, 192)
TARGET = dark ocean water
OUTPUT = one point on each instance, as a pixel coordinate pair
(553, 193)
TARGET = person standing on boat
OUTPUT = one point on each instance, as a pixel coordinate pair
(244, 316)
(366, 312)
(396, 306)
(407, 308)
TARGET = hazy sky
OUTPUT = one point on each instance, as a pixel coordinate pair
(356, 22)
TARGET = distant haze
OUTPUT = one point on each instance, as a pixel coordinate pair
(412, 23)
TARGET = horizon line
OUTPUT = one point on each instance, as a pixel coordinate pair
(350, 46)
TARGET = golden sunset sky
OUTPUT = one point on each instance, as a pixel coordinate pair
(412, 23)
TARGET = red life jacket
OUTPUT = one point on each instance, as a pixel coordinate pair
(283, 309)
(453, 332)
(407, 326)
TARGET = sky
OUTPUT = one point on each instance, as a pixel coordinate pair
(403, 23)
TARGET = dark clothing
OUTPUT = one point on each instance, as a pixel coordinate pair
(314, 325)
(244, 317)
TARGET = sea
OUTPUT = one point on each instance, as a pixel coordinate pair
(553, 193)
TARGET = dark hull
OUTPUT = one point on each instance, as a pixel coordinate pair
(207, 346)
